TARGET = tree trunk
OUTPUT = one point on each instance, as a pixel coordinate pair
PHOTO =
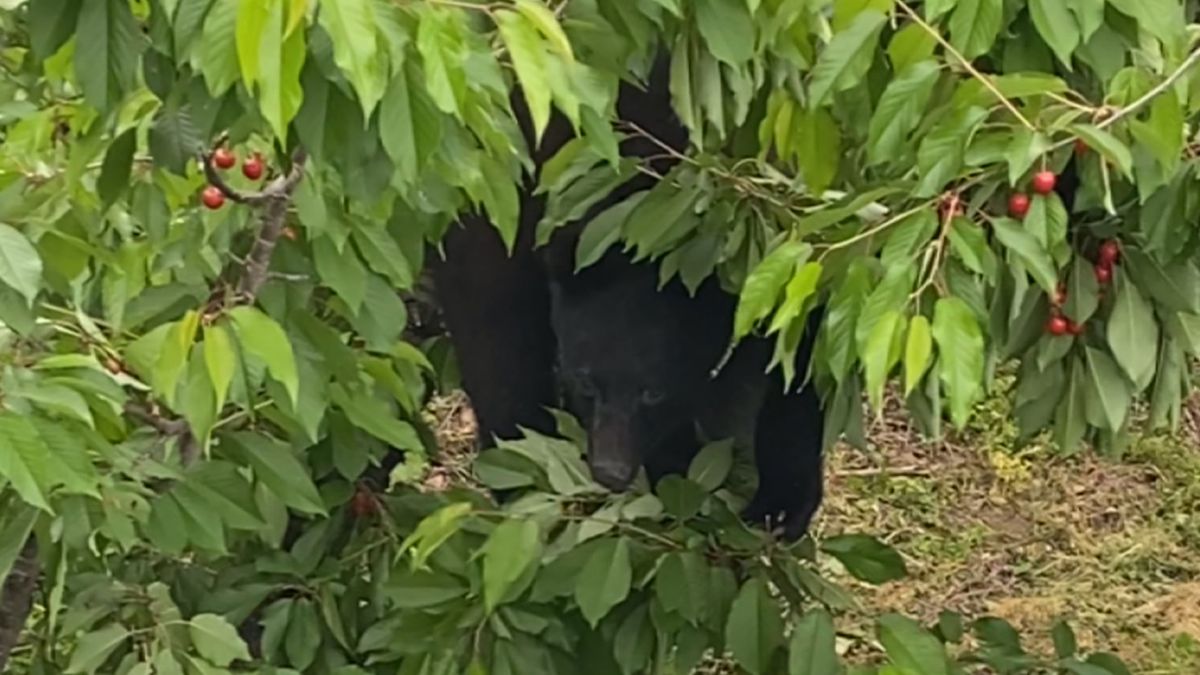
(16, 599)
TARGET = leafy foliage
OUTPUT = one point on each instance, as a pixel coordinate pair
(207, 395)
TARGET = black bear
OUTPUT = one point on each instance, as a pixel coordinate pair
(635, 362)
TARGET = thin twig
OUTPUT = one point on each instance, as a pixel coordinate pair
(966, 64)
(1157, 89)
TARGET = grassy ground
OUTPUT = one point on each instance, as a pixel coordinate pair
(1114, 547)
(1027, 535)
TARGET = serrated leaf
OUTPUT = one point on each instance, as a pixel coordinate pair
(528, 59)
(817, 146)
(280, 64)
(961, 355)
(93, 649)
(681, 585)
(975, 25)
(899, 111)
(1106, 144)
(876, 354)
(265, 339)
(1057, 27)
(1108, 394)
(218, 54)
(911, 647)
(20, 264)
(107, 46)
(1026, 147)
(866, 558)
(917, 352)
(1133, 332)
(1029, 252)
(356, 50)
(173, 139)
(761, 290)
(217, 640)
(712, 464)
(342, 271)
(847, 57)
(754, 629)
(303, 639)
(603, 231)
(24, 460)
(276, 466)
(512, 547)
(813, 646)
(220, 359)
(117, 166)
(375, 417)
(605, 580)
(942, 152)
(728, 29)
(543, 19)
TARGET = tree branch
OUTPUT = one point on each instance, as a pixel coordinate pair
(275, 200)
(16, 598)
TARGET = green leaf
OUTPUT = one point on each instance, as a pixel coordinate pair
(1028, 251)
(1083, 291)
(813, 647)
(1162, 18)
(1109, 395)
(356, 50)
(107, 46)
(15, 528)
(512, 547)
(1026, 147)
(764, 283)
(24, 460)
(909, 46)
(975, 25)
(867, 558)
(252, 27)
(264, 339)
(20, 264)
(218, 53)
(398, 128)
(117, 166)
(220, 359)
(303, 639)
(433, 531)
(93, 649)
(1133, 332)
(543, 19)
(276, 466)
(603, 231)
(877, 353)
(281, 62)
(528, 59)
(847, 58)
(817, 147)
(173, 139)
(961, 355)
(942, 152)
(754, 630)
(899, 111)
(1108, 145)
(727, 28)
(911, 647)
(681, 585)
(605, 579)
(917, 352)
(712, 464)
(375, 417)
(51, 24)
(1056, 26)
(217, 640)
(342, 271)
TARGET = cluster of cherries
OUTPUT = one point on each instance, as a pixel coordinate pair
(224, 159)
(1018, 206)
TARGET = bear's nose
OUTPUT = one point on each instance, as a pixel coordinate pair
(615, 476)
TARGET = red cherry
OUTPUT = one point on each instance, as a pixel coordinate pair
(1044, 181)
(1081, 146)
(1074, 328)
(1018, 205)
(212, 197)
(1058, 325)
(1104, 274)
(363, 504)
(1109, 252)
(224, 158)
(253, 168)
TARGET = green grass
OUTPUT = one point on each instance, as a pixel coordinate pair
(1028, 535)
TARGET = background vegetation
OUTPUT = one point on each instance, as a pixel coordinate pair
(211, 213)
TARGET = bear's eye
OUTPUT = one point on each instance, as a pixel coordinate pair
(653, 396)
